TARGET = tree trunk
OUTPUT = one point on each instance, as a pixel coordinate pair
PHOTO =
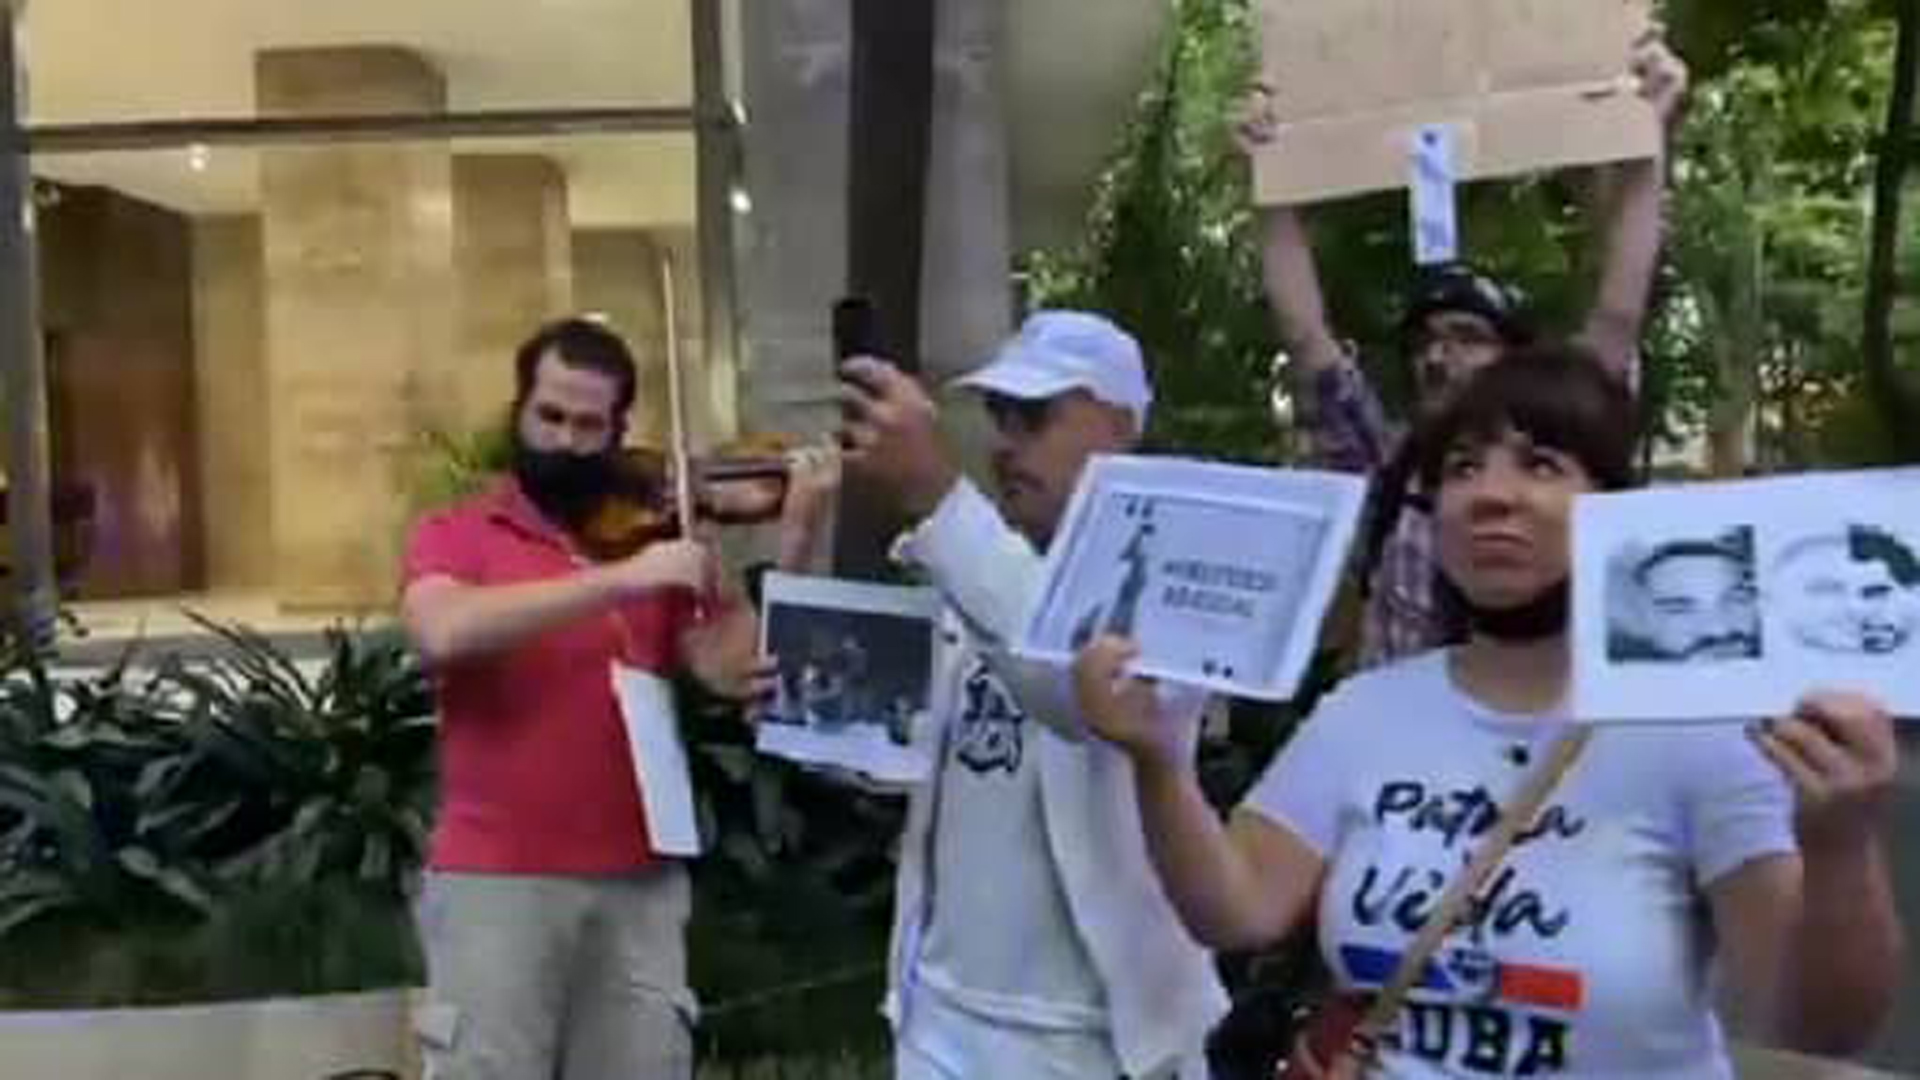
(1739, 348)
(889, 136)
(1897, 400)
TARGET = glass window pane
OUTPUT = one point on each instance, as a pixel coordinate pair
(249, 348)
(119, 60)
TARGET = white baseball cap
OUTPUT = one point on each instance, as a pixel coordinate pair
(1058, 351)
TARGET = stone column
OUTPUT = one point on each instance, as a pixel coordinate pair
(617, 276)
(513, 270)
(230, 382)
(794, 244)
(966, 296)
(358, 251)
(712, 380)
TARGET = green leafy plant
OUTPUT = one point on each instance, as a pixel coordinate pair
(167, 828)
(337, 766)
(449, 466)
(793, 902)
(74, 838)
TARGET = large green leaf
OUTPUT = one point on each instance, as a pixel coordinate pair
(44, 895)
(170, 880)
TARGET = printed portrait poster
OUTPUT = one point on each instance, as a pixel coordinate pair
(855, 675)
(1775, 587)
(1221, 573)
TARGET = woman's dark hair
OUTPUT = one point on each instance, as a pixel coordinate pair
(1556, 394)
(578, 343)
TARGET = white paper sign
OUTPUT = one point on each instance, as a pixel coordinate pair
(1436, 231)
(1775, 587)
(659, 760)
(856, 675)
(1221, 573)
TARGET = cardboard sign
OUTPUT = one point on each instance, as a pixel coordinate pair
(1524, 84)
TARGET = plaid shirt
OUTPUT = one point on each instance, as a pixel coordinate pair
(1348, 431)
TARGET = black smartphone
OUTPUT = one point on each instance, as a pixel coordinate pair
(855, 328)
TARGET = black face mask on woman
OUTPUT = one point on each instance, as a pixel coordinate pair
(565, 485)
(1542, 617)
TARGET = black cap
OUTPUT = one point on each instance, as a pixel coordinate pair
(1457, 286)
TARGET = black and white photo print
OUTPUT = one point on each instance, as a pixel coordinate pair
(1853, 590)
(855, 670)
(1777, 586)
(1686, 600)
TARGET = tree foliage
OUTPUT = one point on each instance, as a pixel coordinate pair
(1755, 351)
(1168, 251)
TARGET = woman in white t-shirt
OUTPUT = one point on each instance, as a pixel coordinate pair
(1666, 853)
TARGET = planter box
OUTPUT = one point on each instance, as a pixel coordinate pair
(292, 1039)
(1753, 1063)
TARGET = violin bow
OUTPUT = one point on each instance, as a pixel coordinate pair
(677, 434)
(680, 451)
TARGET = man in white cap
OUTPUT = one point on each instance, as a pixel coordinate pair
(1031, 938)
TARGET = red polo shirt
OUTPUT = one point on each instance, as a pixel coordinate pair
(535, 776)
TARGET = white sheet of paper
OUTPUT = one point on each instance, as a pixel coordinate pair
(1221, 573)
(659, 760)
(856, 663)
(1436, 230)
(1775, 587)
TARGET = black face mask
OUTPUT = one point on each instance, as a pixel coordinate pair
(564, 485)
(1537, 619)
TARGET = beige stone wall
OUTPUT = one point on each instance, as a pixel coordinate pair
(358, 243)
(617, 274)
(229, 335)
(713, 401)
(288, 1039)
(513, 266)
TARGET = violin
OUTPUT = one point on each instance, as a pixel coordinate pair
(659, 494)
(741, 484)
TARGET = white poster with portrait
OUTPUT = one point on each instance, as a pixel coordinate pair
(1731, 601)
(1221, 573)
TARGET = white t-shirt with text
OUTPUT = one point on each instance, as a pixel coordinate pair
(1000, 940)
(1587, 954)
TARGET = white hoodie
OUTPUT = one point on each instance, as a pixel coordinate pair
(1162, 990)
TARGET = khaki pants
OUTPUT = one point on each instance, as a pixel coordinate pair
(555, 978)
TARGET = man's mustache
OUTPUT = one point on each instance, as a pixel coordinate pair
(1734, 642)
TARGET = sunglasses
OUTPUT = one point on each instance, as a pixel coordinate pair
(1457, 334)
(1027, 416)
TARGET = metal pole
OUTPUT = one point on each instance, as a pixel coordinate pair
(889, 140)
(716, 169)
(23, 381)
(384, 127)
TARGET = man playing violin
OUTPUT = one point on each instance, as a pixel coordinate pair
(552, 930)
